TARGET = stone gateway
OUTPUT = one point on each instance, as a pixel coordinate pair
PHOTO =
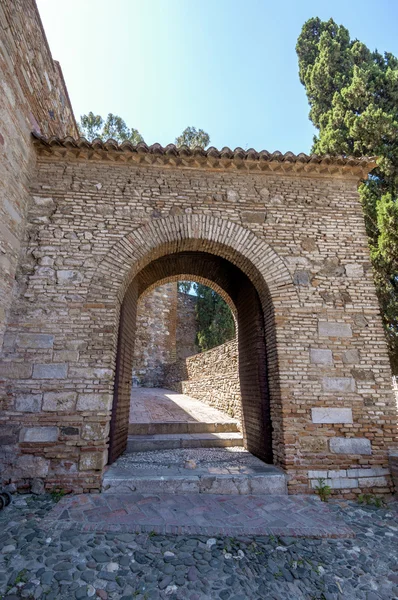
(90, 227)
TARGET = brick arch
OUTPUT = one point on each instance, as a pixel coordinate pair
(196, 278)
(263, 266)
(272, 289)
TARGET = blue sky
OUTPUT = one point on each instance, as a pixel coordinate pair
(227, 66)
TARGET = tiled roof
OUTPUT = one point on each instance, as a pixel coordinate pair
(199, 157)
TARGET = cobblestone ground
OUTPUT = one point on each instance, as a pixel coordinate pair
(37, 563)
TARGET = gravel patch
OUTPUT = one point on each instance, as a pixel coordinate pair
(204, 458)
(36, 563)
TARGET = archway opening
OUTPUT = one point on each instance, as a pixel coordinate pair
(250, 305)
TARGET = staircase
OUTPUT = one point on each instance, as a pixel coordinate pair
(179, 445)
(144, 437)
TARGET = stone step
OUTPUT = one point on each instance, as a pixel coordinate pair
(159, 428)
(146, 443)
(272, 481)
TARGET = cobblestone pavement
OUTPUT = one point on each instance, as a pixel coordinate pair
(39, 563)
(149, 405)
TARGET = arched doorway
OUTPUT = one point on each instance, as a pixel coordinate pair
(256, 409)
(259, 263)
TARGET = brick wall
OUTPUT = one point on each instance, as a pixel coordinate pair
(33, 96)
(297, 236)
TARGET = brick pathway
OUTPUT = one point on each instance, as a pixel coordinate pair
(149, 405)
(198, 514)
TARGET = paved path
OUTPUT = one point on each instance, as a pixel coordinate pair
(157, 405)
(39, 560)
(200, 514)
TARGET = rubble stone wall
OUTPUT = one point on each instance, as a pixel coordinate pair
(33, 97)
(212, 377)
(95, 222)
(155, 338)
(165, 332)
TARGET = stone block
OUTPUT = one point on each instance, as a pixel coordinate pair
(28, 402)
(28, 466)
(50, 371)
(351, 357)
(354, 270)
(9, 434)
(254, 216)
(338, 384)
(59, 401)
(322, 414)
(301, 278)
(334, 329)
(15, 370)
(343, 483)
(362, 375)
(35, 340)
(340, 445)
(95, 431)
(369, 482)
(102, 402)
(314, 443)
(372, 472)
(321, 357)
(317, 474)
(90, 373)
(66, 356)
(66, 277)
(93, 461)
(39, 434)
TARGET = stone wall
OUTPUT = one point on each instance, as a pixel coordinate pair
(155, 339)
(212, 377)
(186, 326)
(33, 96)
(165, 332)
(294, 229)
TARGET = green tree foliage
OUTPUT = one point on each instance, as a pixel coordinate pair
(215, 323)
(193, 138)
(353, 97)
(93, 126)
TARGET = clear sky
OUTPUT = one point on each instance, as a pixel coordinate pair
(226, 66)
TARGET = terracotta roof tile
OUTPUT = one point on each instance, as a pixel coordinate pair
(211, 155)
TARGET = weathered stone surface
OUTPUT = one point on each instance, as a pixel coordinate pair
(362, 375)
(66, 356)
(65, 277)
(50, 371)
(331, 415)
(332, 329)
(301, 278)
(92, 461)
(351, 357)
(254, 216)
(338, 384)
(340, 445)
(95, 431)
(28, 466)
(15, 370)
(59, 401)
(37, 486)
(28, 402)
(35, 340)
(94, 402)
(321, 357)
(354, 270)
(39, 434)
